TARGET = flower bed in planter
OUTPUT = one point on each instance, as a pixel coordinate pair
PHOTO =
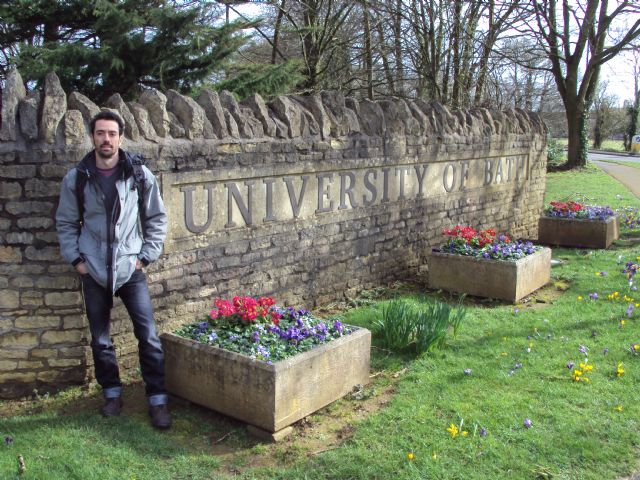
(265, 394)
(486, 265)
(571, 224)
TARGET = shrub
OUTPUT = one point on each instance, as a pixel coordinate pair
(421, 328)
(555, 153)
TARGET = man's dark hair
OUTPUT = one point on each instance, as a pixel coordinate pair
(107, 115)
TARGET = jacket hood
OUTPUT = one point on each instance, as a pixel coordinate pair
(87, 165)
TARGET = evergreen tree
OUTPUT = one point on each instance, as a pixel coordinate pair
(107, 46)
(265, 79)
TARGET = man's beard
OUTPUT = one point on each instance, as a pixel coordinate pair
(106, 153)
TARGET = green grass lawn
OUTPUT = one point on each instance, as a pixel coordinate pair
(607, 145)
(613, 146)
(517, 356)
(622, 162)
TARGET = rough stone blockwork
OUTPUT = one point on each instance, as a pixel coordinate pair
(303, 198)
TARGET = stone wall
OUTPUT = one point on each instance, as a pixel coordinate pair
(303, 198)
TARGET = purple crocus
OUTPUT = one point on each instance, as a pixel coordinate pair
(570, 365)
(263, 352)
(467, 371)
(593, 296)
(483, 432)
(630, 310)
(527, 423)
(583, 349)
(8, 441)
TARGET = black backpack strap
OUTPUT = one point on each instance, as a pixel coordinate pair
(139, 182)
(81, 181)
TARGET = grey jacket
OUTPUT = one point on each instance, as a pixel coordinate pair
(110, 242)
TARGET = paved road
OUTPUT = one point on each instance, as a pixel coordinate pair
(613, 157)
(628, 176)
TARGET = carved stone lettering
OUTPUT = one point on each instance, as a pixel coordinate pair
(204, 204)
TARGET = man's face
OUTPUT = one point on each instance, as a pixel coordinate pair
(106, 139)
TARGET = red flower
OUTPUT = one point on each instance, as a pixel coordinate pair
(225, 307)
(266, 301)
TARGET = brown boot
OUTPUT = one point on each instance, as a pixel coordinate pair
(112, 407)
(160, 416)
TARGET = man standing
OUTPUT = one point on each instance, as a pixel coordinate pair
(111, 223)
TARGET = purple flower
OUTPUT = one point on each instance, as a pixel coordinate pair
(8, 441)
(570, 365)
(203, 325)
(467, 371)
(255, 337)
(263, 352)
(583, 349)
(213, 336)
(630, 310)
(483, 432)
(603, 274)
(527, 423)
(338, 326)
(516, 310)
(605, 351)
(517, 366)
(633, 288)
(593, 296)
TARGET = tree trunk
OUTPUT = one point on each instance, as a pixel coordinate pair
(276, 32)
(397, 47)
(368, 57)
(578, 148)
(383, 56)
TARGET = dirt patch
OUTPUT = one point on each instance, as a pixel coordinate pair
(320, 432)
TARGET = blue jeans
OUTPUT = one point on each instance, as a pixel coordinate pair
(135, 296)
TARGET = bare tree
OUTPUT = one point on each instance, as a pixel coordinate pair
(500, 17)
(603, 115)
(633, 109)
(578, 37)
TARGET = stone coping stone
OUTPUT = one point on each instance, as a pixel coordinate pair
(501, 279)
(268, 396)
(581, 233)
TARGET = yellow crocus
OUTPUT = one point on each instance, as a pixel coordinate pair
(453, 431)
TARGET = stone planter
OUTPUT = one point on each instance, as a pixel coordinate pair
(505, 280)
(269, 397)
(571, 232)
